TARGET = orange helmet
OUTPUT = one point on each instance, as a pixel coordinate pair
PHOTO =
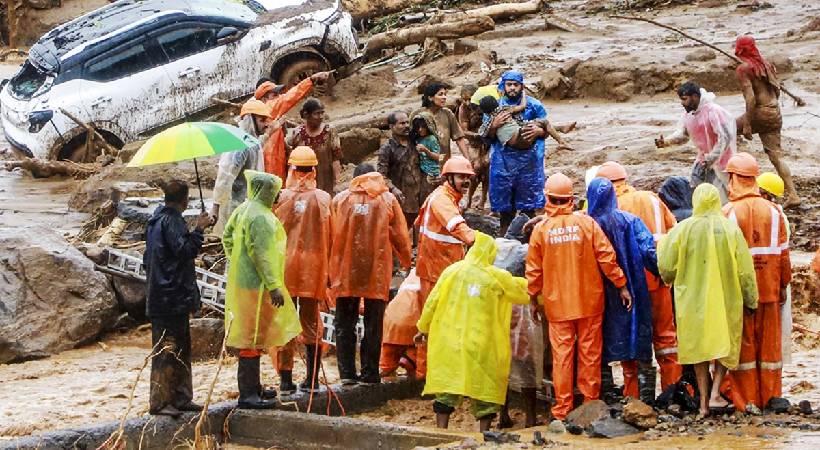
(743, 164)
(256, 107)
(559, 186)
(612, 171)
(303, 156)
(458, 164)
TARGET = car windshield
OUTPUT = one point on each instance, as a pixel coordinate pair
(27, 81)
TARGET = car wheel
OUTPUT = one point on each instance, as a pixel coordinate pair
(77, 150)
(303, 68)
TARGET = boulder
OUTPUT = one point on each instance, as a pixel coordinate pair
(778, 405)
(805, 407)
(610, 428)
(701, 54)
(556, 426)
(359, 143)
(464, 46)
(206, 338)
(131, 295)
(486, 224)
(51, 298)
(589, 412)
(640, 414)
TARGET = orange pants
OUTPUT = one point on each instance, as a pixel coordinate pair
(757, 377)
(563, 335)
(391, 355)
(421, 349)
(282, 357)
(665, 341)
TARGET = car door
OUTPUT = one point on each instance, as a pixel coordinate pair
(197, 64)
(128, 88)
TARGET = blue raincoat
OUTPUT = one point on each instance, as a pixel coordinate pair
(517, 176)
(627, 334)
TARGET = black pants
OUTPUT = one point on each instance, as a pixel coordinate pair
(171, 383)
(347, 314)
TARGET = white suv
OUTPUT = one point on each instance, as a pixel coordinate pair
(136, 66)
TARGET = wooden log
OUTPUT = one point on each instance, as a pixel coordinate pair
(416, 35)
(367, 9)
(107, 148)
(500, 11)
(41, 168)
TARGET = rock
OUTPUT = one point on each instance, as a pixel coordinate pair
(589, 412)
(556, 426)
(486, 224)
(675, 410)
(554, 84)
(574, 429)
(537, 439)
(701, 54)
(206, 338)
(464, 46)
(782, 63)
(51, 298)
(500, 437)
(805, 407)
(427, 80)
(131, 295)
(778, 405)
(667, 418)
(569, 67)
(469, 443)
(359, 143)
(640, 414)
(610, 428)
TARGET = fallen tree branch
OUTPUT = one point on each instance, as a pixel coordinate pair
(500, 11)
(798, 100)
(416, 35)
(226, 102)
(40, 168)
(103, 143)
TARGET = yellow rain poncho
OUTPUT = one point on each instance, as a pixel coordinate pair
(467, 318)
(708, 261)
(255, 243)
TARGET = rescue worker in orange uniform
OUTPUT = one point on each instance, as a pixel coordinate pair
(567, 254)
(280, 103)
(368, 230)
(398, 349)
(304, 211)
(659, 219)
(757, 377)
(443, 233)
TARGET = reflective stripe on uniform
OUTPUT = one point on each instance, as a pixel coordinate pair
(439, 237)
(453, 222)
(746, 366)
(424, 230)
(771, 365)
(665, 351)
(656, 206)
(774, 248)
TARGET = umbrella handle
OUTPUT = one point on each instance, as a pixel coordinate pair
(199, 185)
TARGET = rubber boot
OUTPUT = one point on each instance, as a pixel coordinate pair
(646, 383)
(286, 386)
(608, 391)
(250, 387)
(312, 353)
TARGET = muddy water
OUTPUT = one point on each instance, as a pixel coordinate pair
(93, 384)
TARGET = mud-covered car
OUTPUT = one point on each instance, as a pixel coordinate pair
(133, 67)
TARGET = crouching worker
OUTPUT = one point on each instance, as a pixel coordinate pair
(259, 313)
(400, 317)
(467, 318)
(172, 296)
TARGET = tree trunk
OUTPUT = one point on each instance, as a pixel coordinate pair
(416, 35)
(366, 9)
(501, 11)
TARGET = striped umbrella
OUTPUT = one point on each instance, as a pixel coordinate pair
(189, 141)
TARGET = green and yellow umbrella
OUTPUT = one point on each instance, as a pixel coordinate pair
(192, 140)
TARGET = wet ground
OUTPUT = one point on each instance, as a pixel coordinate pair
(93, 383)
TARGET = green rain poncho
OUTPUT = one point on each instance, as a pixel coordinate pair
(255, 243)
(709, 263)
(467, 318)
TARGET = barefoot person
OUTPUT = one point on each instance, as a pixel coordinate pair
(761, 90)
(707, 260)
(713, 132)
